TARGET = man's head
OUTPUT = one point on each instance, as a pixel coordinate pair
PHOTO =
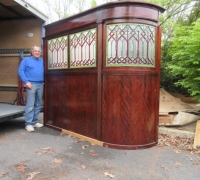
(36, 51)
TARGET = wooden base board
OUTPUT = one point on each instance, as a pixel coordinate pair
(100, 143)
(85, 138)
(197, 136)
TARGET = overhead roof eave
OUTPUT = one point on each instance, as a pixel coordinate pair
(32, 9)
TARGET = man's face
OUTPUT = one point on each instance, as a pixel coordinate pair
(36, 52)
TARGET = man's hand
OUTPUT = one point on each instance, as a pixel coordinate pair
(29, 85)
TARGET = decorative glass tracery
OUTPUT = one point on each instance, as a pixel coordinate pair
(57, 53)
(130, 44)
(83, 49)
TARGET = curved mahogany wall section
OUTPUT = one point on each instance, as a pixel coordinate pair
(102, 71)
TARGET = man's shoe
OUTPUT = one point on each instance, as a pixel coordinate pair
(38, 125)
(29, 128)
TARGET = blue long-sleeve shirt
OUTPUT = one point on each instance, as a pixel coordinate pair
(31, 70)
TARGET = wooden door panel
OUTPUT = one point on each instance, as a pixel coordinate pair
(71, 103)
(129, 110)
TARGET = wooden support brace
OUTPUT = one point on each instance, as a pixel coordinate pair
(197, 136)
(85, 138)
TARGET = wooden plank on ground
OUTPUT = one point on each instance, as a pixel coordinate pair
(85, 138)
(197, 136)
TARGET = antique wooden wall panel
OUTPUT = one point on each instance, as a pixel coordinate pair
(129, 110)
(102, 70)
(72, 103)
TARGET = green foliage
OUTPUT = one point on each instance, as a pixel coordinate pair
(185, 51)
(184, 13)
(168, 78)
(93, 3)
(195, 13)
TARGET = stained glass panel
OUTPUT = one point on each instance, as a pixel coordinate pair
(130, 44)
(83, 49)
(57, 53)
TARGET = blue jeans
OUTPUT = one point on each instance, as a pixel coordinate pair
(34, 103)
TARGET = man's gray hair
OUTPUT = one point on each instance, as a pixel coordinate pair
(35, 47)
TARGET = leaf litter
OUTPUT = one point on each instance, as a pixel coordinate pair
(3, 174)
(178, 163)
(85, 146)
(177, 143)
(58, 161)
(21, 167)
(92, 153)
(109, 175)
(32, 175)
(44, 150)
(83, 167)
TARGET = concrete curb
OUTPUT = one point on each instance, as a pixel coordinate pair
(176, 132)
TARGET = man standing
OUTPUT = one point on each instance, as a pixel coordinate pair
(31, 72)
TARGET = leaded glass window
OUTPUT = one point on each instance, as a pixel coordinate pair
(83, 49)
(130, 44)
(57, 53)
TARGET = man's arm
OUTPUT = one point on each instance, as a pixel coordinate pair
(21, 71)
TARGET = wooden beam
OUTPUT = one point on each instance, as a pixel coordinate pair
(197, 136)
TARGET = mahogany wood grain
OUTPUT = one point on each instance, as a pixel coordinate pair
(72, 103)
(128, 110)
